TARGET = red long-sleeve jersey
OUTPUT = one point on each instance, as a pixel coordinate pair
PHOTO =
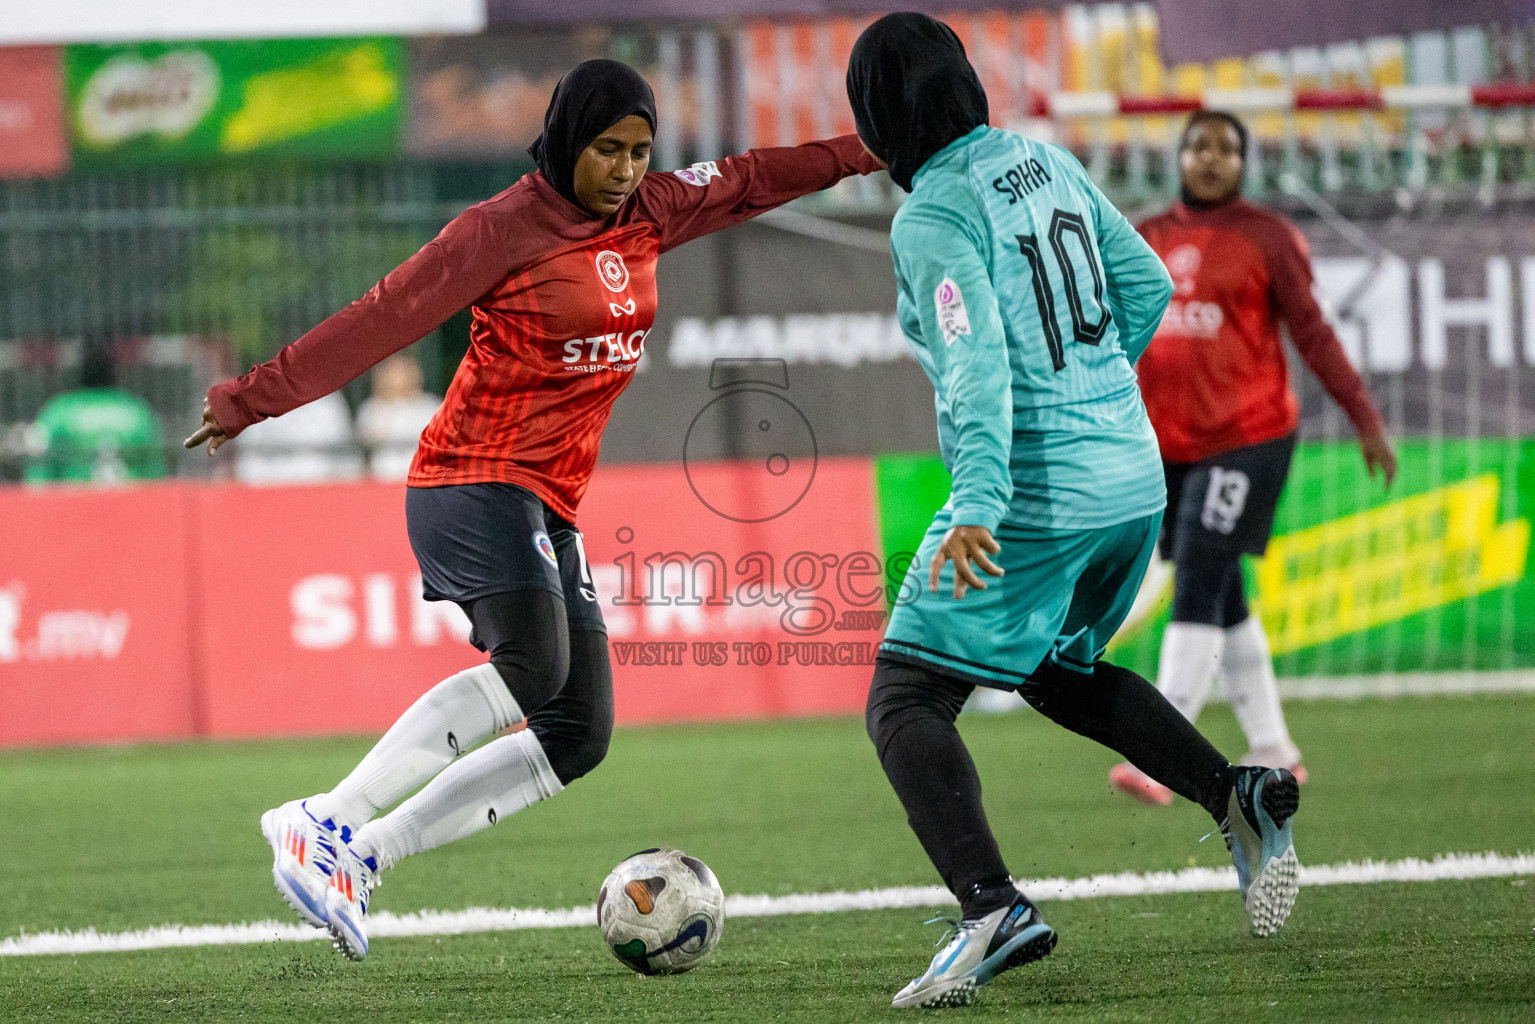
(561, 302)
(1214, 377)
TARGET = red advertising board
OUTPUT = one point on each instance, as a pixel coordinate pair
(32, 136)
(94, 639)
(221, 610)
(309, 617)
(311, 621)
(804, 589)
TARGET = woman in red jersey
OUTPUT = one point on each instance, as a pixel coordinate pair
(1215, 383)
(559, 271)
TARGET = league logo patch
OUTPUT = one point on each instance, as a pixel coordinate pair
(611, 271)
(545, 547)
(699, 173)
(952, 318)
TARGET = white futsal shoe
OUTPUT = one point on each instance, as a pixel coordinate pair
(1259, 811)
(346, 902)
(303, 857)
(977, 951)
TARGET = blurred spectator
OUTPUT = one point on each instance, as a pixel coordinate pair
(310, 444)
(97, 433)
(390, 423)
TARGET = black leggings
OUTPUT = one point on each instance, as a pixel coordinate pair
(910, 718)
(561, 679)
(1208, 588)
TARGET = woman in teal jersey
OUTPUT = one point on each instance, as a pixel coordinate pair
(1026, 298)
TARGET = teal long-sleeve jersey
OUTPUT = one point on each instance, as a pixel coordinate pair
(1027, 298)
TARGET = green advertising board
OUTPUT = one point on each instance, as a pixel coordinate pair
(156, 103)
(1430, 576)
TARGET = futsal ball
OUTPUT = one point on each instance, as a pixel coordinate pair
(661, 911)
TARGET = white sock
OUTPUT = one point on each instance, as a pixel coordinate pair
(1188, 663)
(499, 779)
(454, 716)
(1249, 672)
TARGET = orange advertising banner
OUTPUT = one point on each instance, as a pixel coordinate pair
(794, 72)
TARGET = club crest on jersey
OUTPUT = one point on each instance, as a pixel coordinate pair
(611, 271)
(699, 173)
(1182, 265)
(953, 320)
(545, 547)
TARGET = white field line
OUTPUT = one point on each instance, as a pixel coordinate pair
(1406, 684)
(491, 919)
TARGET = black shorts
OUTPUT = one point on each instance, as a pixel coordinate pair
(474, 540)
(1225, 505)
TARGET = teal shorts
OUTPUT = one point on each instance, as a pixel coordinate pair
(1064, 594)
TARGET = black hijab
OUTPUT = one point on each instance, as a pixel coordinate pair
(912, 91)
(593, 96)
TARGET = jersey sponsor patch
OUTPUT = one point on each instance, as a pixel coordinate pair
(545, 547)
(1183, 267)
(611, 271)
(953, 320)
(700, 173)
(1192, 320)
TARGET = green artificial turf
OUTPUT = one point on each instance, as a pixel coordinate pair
(133, 837)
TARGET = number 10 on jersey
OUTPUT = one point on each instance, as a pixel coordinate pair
(1089, 332)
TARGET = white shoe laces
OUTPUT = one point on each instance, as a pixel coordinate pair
(955, 929)
(367, 878)
(322, 846)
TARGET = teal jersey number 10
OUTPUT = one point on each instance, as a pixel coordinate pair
(1037, 430)
(1087, 330)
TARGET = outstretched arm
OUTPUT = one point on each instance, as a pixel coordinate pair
(462, 263)
(717, 194)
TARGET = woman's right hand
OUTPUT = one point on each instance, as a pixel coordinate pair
(1379, 455)
(963, 545)
(210, 431)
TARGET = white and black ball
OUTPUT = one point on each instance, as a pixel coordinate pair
(661, 911)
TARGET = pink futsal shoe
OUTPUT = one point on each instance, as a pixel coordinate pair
(1286, 757)
(1131, 781)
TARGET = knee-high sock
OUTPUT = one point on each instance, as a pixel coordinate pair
(1248, 669)
(1187, 665)
(456, 715)
(473, 793)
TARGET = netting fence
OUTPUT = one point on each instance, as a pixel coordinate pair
(1409, 163)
